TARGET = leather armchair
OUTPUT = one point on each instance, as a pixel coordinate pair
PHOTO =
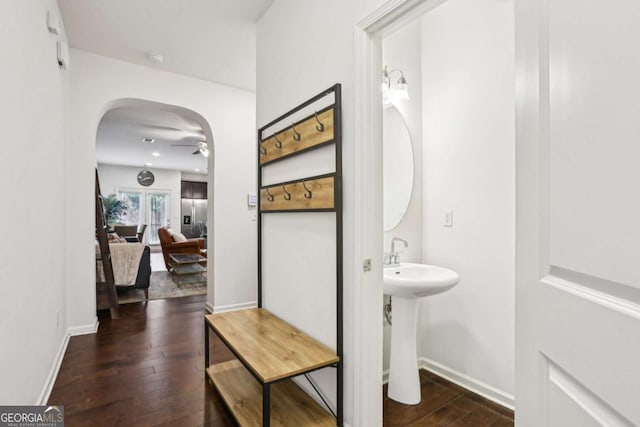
(169, 246)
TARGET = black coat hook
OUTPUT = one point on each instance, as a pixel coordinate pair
(263, 150)
(320, 125)
(287, 195)
(278, 142)
(296, 135)
(308, 193)
(269, 196)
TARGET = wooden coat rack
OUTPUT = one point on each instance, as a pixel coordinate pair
(256, 336)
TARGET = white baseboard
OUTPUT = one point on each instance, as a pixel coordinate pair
(485, 390)
(53, 372)
(57, 361)
(91, 328)
(233, 307)
(208, 307)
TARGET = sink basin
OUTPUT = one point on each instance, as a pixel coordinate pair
(406, 283)
(418, 280)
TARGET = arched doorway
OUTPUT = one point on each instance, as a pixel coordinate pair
(145, 153)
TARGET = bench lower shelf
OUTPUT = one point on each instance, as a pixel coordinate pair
(290, 405)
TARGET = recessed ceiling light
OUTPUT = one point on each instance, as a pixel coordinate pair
(197, 169)
(155, 57)
(148, 164)
(148, 140)
(155, 154)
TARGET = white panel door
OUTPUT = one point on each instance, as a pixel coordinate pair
(578, 213)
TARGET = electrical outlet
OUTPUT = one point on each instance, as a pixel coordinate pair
(447, 218)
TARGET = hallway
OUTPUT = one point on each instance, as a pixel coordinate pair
(145, 368)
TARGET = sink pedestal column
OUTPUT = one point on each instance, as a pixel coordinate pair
(404, 379)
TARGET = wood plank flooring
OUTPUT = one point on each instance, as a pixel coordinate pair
(144, 369)
(147, 369)
(445, 404)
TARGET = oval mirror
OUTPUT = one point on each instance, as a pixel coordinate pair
(397, 167)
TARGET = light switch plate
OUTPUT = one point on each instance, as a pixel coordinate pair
(447, 217)
(252, 199)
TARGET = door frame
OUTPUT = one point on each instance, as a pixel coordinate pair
(367, 363)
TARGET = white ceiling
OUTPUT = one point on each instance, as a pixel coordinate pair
(213, 40)
(121, 130)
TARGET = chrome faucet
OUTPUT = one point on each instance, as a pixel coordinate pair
(393, 258)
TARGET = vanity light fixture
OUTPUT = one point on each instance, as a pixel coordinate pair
(398, 93)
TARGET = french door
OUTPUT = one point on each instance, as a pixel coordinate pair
(151, 207)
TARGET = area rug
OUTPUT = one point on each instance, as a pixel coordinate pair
(161, 286)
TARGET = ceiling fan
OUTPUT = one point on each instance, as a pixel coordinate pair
(202, 147)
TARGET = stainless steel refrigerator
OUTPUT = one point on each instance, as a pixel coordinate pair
(194, 218)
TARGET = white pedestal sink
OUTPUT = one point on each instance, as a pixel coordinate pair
(406, 283)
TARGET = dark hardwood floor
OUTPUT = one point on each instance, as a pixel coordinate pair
(445, 404)
(147, 369)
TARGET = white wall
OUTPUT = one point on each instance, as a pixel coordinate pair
(402, 50)
(305, 46)
(468, 106)
(96, 82)
(193, 177)
(113, 178)
(33, 206)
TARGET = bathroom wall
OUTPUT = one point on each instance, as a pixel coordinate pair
(468, 159)
(402, 50)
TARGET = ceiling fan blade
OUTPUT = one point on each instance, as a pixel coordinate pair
(196, 152)
(184, 145)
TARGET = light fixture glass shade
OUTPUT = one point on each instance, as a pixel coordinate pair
(402, 92)
(205, 152)
(399, 92)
